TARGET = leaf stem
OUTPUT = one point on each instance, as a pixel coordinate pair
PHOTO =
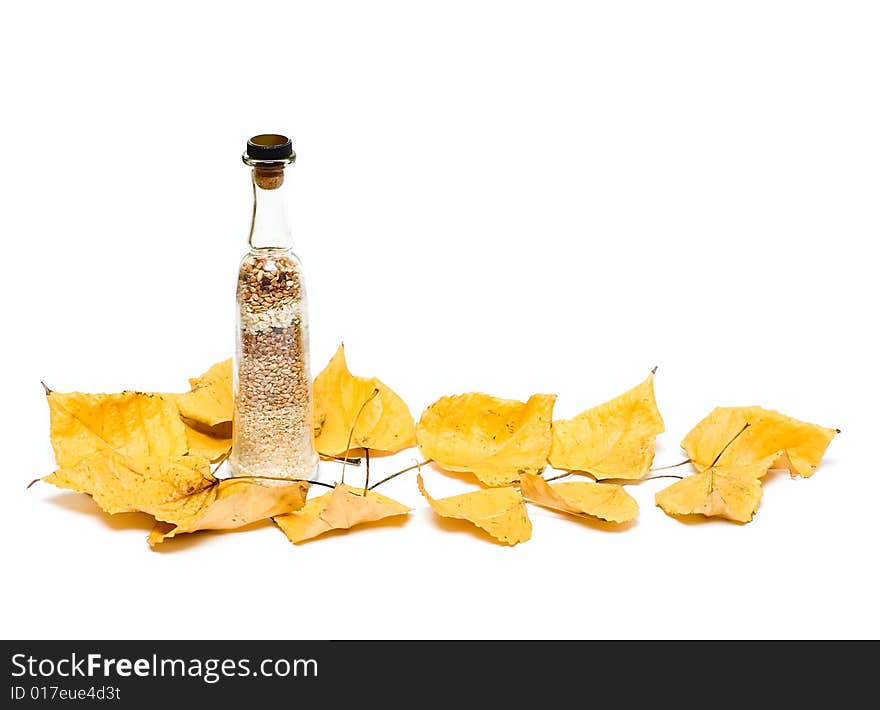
(735, 437)
(351, 431)
(654, 478)
(619, 481)
(672, 465)
(561, 475)
(354, 461)
(589, 474)
(286, 480)
(406, 470)
(367, 476)
(220, 462)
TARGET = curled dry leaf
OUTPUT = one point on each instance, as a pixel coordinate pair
(234, 503)
(136, 451)
(128, 423)
(340, 509)
(179, 492)
(607, 501)
(501, 512)
(769, 433)
(170, 488)
(209, 403)
(733, 448)
(129, 452)
(731, 492)
(210, 447)
(496, 439)
(614, 440)
(348, 415)
(206, 412)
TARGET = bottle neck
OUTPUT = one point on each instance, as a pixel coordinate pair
(270, 227)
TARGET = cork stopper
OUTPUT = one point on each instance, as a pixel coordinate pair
(269, 179)
(269, 154)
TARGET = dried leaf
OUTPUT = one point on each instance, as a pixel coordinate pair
(501, 512)
(496, 439)
(607, 501)
(178, 491)
(128, 452)
(731, 492)
(384, 422)
(129, 424)
(237, 502)
(169, 488)
(210, 447)
(136, 451)
(613, 440)
(209, 403)
(340, 509)
(768, 433)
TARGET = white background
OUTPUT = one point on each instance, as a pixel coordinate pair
(508, 197)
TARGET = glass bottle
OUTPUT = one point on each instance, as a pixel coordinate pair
(272, 421)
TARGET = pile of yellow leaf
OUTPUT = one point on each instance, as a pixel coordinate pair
(152, 452)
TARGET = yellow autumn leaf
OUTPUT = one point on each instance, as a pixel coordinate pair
(731, 492)
(501, 512)
(614, 440)
(235, 502)
(768, 433)
(170, 488)
(208, 405)
(180, 492)
(132, 452)
(210, 447)
(128, 423)
(342, 508)
(353, 412)
(607, 501)
(496, 439)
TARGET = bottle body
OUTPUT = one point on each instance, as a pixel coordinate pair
(273, 435)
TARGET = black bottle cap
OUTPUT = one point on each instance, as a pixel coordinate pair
(269, 146)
